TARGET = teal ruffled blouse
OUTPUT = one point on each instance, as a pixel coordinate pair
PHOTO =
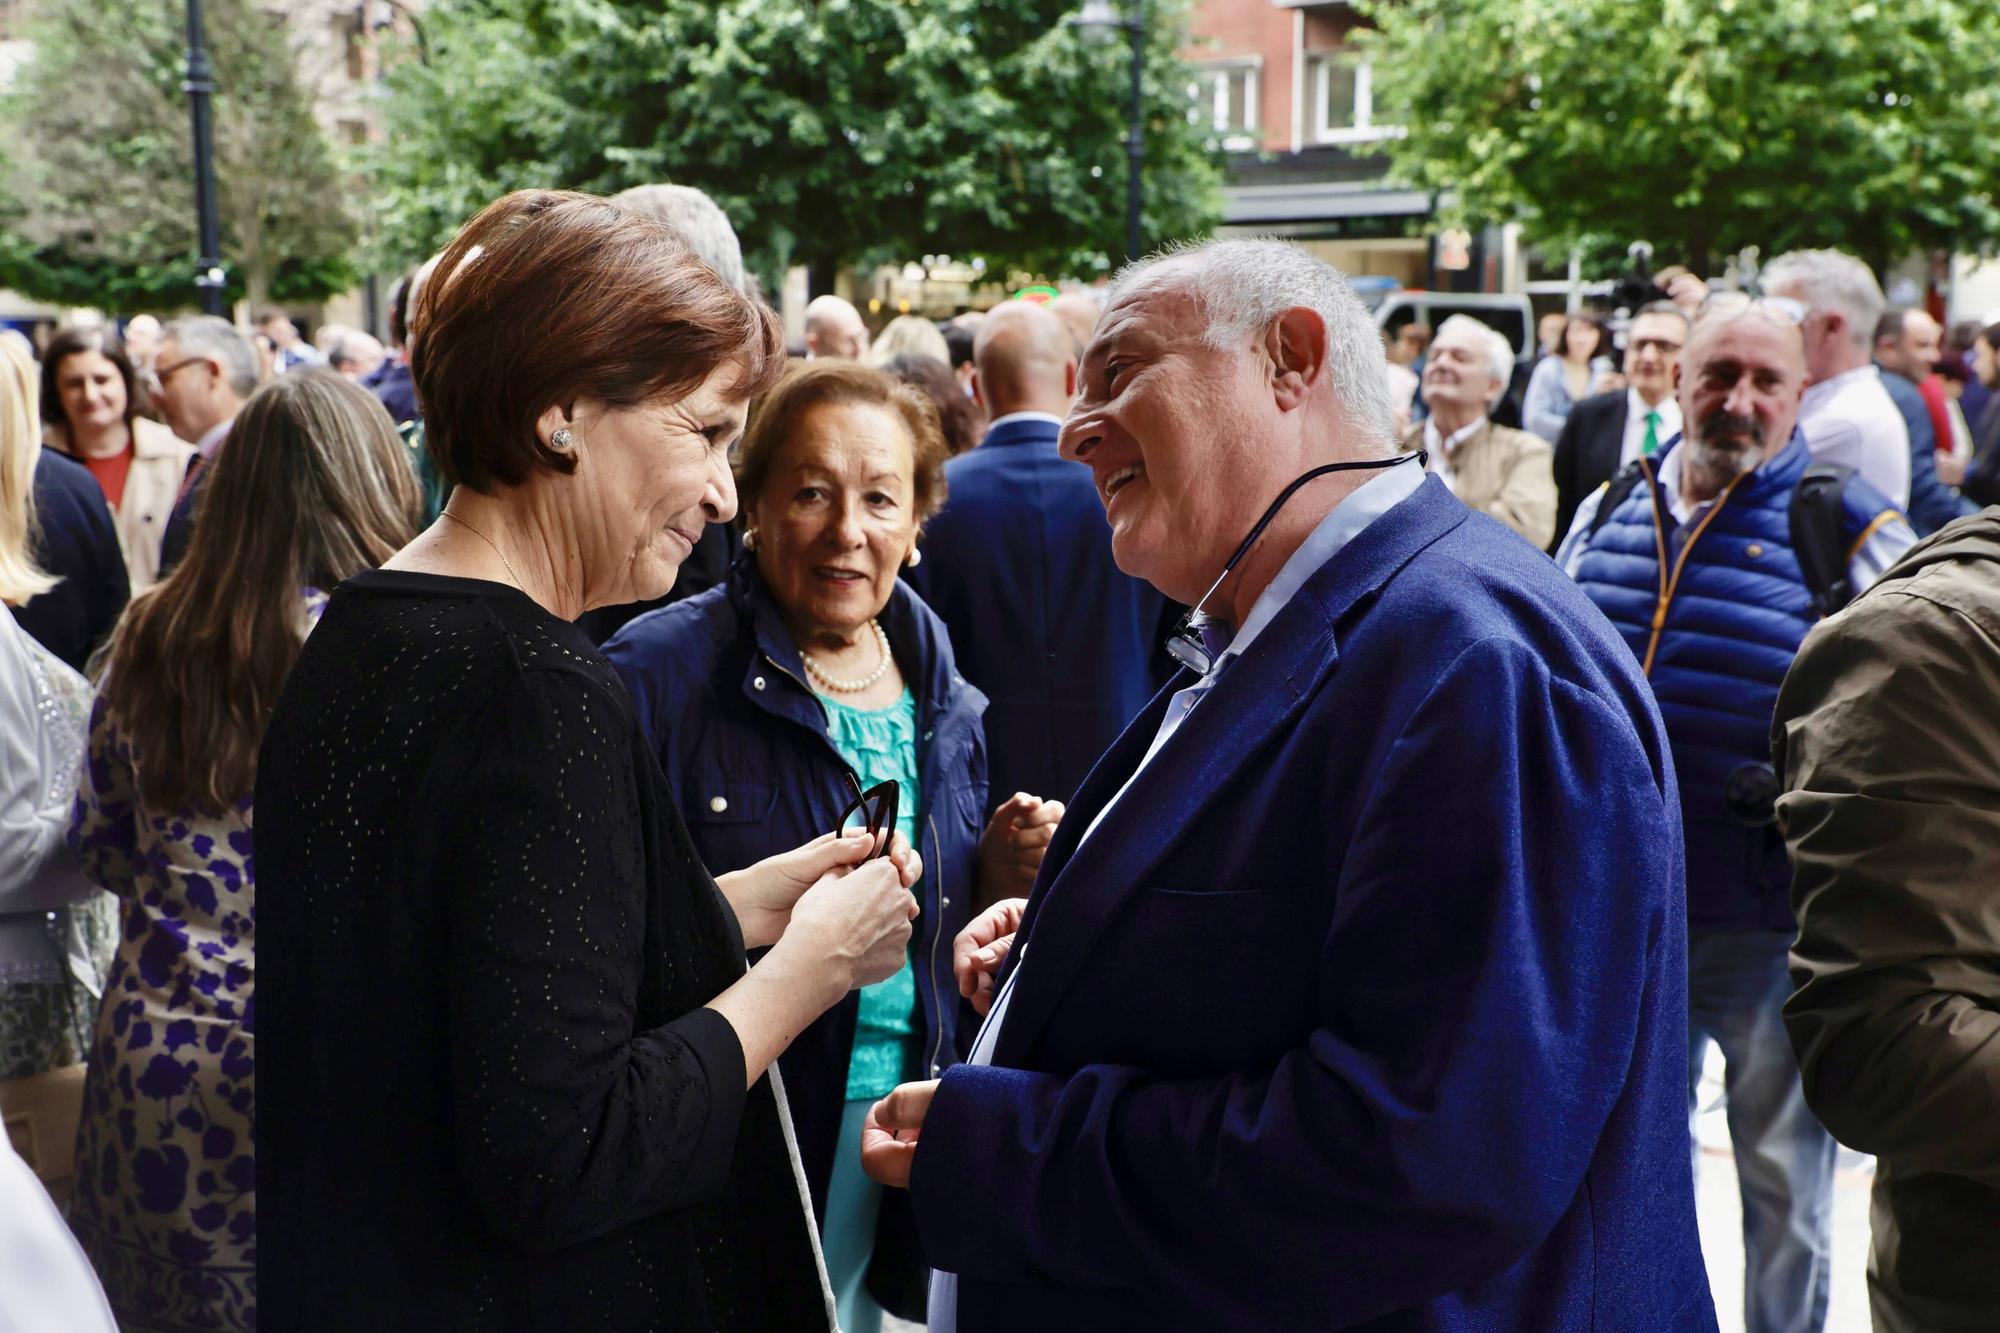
(878, 746)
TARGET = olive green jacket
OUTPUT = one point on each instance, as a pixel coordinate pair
(1887, 741)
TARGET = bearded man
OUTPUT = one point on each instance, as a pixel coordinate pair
(1696, 567)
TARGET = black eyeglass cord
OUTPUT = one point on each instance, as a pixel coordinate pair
(1184, 645)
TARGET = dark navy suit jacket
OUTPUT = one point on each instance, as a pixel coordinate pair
(1018, 566)
(1366, 1005)
(1932, 503)
(78, 540)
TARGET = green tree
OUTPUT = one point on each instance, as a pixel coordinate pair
(833, 132)
(1703, 126)
(99, 188)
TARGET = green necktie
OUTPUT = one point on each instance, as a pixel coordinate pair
(1651, 444)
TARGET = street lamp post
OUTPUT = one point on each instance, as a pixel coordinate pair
(1104, 17)
(199, 85)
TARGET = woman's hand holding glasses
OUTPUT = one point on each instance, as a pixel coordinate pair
(763, 895)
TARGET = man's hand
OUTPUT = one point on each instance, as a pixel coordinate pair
(1688, 292)
(889, 1134)
(1016, 838)
(762, 895)
(980, 949)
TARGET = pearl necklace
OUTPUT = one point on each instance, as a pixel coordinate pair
(826, 682)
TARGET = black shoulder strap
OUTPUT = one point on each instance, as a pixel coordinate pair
(1615, 492)
(1819, 535)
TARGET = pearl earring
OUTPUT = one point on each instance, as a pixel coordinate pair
(750, 540)
(916, 558)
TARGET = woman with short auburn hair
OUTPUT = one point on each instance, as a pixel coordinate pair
(312, 489)
(813, 673)
(514, 1063)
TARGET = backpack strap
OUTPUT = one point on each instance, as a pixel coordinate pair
(1817, 516)
(1616, 491)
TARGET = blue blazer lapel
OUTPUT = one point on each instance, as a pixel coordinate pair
(1084, 884)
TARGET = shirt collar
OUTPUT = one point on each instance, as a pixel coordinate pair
(1048, 417)
(1669, 409)
(213, 436)
(1822, 390)
(1363, 506)
(1443, 446)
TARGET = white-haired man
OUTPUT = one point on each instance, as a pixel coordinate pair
(834, 328)
(1350, 989)
(1507, 473)
(1847, 416)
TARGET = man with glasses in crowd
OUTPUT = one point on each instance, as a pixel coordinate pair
(1696, 565)
(1606, 432)
(206, 369)
(1351, 988)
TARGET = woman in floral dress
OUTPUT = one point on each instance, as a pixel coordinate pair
(309, 489)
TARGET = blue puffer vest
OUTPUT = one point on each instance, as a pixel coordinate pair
(1715, 613)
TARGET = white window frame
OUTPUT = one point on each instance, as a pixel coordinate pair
(1234, 137)
(1364, 129)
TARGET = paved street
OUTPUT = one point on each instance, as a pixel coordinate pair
(1722, 1221)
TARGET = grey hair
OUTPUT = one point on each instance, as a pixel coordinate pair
(1830, 280)
(696, 219)
(213, 336)
(1499, 352)
(1243, 286)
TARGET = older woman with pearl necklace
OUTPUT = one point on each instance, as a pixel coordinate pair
(812, 673)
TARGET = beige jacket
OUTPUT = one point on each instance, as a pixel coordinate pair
(159, 462)
(1507, 473)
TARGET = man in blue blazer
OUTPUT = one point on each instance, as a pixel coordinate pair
(1351, 992)
(1018, 566)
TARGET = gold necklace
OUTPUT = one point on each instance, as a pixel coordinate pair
(489, 541)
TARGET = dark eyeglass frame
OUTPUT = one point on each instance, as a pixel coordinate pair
(878, 806)
(161, 377)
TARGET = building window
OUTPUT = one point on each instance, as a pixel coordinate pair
(1224, 96)
(1343, 99)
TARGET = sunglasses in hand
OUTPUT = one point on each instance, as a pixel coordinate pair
(874, 809)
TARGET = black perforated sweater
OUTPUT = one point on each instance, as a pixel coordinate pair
(488, 1095)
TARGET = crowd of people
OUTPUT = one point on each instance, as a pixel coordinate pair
(545, 822)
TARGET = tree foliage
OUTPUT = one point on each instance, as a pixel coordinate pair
(99, 188)
(1704, 126)
(830, 132)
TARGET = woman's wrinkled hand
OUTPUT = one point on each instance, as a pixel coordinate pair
(1016, 839)
(762, 895)
(854, 925)
(980, 949)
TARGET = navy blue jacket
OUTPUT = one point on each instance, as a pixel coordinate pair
(1715, 634)
(1018, 565)
(721, 695)
(1932, 503)
(393, 387)
(78, 540)
(1367, 1001)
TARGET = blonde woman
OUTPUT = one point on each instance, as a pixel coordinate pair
(907, 335)
(55, 929)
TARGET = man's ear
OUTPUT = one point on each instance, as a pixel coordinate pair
(977, 396)
(1296, 346)
(1069, 378)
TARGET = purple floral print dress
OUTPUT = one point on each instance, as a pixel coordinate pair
(166, 1172)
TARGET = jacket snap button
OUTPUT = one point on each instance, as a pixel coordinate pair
(944, 902)
(718, 803)
(1753, 551)
(757, 684)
